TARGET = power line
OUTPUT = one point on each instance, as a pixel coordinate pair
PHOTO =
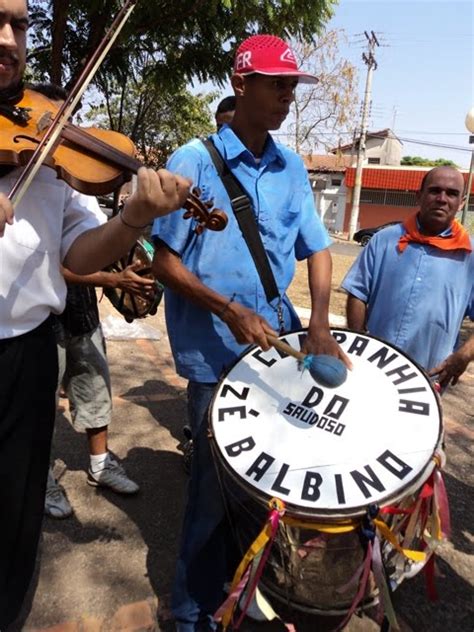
(413, 131)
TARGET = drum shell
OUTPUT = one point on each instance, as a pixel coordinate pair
(306, 568)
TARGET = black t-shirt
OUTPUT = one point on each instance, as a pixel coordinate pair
(81, 314)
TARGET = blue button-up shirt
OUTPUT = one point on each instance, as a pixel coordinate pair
(417, 299)
(289, 227)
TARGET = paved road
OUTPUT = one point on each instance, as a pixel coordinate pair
(110, 566)
(341, 247)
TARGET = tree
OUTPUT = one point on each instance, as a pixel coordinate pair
(140, 86)
(186, 38)
(417, 161)
(324, 111)
(157, 121)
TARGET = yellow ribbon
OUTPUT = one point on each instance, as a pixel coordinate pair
(416, 556)
(254, 549)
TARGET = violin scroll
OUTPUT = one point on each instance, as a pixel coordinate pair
(199, 210)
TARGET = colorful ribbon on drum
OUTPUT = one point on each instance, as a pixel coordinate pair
(246, 578)
(426, 521)
(260, 548)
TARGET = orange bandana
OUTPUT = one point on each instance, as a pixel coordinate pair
(457, 240)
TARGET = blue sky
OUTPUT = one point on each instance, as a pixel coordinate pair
(425, 68)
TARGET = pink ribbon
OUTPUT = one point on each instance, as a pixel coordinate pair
(443, 503)
(234, 596)
(315, 543)
(362, 588)
(274, 520)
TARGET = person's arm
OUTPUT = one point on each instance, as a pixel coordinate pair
(454, 366)
(319, 339)
(126, 280)
(247, 326)
(158, 193)
(356, 312)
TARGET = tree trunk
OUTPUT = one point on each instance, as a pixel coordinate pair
(98, 25)
(60, 13)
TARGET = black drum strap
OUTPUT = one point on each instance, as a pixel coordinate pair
(242, 207)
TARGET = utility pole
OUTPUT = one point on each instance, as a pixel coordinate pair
(369, 60)
(394, 118)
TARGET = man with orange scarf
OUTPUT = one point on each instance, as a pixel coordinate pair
(413, 284)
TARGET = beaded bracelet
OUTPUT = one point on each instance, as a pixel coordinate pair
(125, 223)
(224, 309)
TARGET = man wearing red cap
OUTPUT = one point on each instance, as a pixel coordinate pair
(216, 303)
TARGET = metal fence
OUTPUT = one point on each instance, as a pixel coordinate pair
(387, 197)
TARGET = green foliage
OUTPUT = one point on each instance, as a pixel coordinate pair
(157, 121)
(186, 38)
(417, 161)
(141, 86)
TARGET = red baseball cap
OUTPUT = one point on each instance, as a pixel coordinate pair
(268, 55)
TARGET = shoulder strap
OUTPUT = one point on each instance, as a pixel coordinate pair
(242, 207)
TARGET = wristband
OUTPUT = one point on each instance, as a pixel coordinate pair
(125, 223)
(226, 306)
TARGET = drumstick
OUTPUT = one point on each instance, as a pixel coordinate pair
(325, 369)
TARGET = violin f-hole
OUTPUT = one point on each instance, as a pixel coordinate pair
(32, 139)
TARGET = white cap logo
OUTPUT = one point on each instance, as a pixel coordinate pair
(243, 60)
(288, 55)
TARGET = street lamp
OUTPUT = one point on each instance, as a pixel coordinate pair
(470, 128)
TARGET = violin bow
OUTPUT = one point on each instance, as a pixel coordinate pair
(52, 134)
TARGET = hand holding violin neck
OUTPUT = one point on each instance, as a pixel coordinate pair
(158, 193)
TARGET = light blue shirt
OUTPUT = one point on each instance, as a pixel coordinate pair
(417, 299)
(290, 229)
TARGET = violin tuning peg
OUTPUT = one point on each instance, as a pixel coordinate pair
(196, 191)
(209, 203)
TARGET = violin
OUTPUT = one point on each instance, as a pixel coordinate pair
(91, 160)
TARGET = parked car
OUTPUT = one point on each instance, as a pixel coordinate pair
(364, 235)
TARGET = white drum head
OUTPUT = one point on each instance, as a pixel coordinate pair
(327, 452)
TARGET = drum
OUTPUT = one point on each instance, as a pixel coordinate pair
(330, 455)
(129, 305)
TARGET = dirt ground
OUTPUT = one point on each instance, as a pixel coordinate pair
(113, 561)
(299, 293)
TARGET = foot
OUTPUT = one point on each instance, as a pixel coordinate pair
(114, 477)
(56, 504)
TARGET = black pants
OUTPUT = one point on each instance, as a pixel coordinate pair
(28, 377)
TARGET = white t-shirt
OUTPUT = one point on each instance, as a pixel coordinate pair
(47, 221)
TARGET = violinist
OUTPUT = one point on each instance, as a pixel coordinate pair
(52, 225)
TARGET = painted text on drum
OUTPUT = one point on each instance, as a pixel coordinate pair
(312, 481)
(369, 440)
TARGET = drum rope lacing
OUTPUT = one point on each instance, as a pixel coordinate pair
(426, 519)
